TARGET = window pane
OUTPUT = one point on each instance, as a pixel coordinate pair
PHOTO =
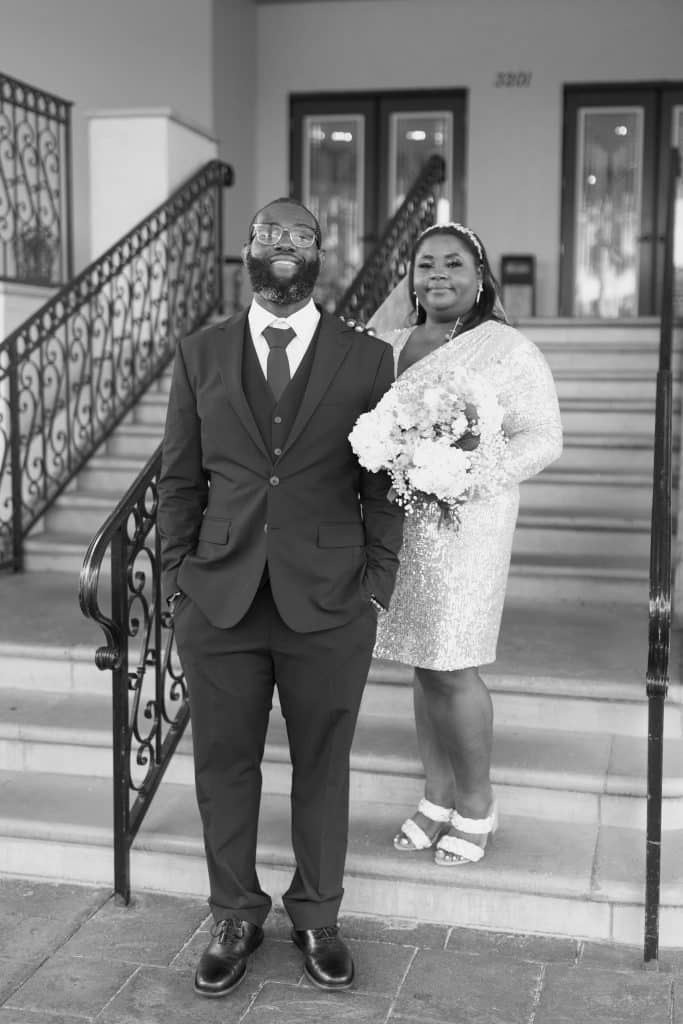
(333, 163)
(608, 191)
(413, 138)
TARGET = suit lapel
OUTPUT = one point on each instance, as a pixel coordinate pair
(230, 362)
(331, 348)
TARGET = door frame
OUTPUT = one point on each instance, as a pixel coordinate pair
(657, 99)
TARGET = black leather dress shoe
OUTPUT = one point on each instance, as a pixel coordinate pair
(328, 962)
(223, 963)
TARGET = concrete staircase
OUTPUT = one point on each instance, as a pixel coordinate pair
(568, 690)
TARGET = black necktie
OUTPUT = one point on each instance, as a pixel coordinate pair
(277, 374)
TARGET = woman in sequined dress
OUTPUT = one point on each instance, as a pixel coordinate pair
(446, 609)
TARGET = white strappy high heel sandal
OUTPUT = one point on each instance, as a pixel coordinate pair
(453, 851)
(411, 837)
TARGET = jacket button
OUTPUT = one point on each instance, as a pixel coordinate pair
(274, 481)
(277, 451)
(277, 419)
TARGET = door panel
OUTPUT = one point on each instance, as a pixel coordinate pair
(333, 153)
(413, 127)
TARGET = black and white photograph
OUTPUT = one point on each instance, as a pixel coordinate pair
(341, 672)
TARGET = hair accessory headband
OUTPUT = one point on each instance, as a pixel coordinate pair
(461, 229)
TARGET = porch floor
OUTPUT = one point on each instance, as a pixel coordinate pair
(68, 954)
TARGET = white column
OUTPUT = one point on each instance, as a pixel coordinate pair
(137, 158)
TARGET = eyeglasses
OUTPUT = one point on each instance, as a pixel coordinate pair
(270, 234)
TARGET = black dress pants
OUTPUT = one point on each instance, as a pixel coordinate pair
(320, 677)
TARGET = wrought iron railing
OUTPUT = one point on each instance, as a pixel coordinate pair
(388, 261)
(659, 630)
(35, 185)
(71, 372)
(149, 698)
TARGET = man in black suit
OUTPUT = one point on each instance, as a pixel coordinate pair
(278, 553)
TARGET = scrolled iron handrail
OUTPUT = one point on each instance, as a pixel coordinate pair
(150, 708)
(388, 261)
(88, 588)
(70, 373)
(659, 620)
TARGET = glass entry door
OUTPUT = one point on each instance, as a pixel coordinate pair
(672, 118)
(354, 158)
(614, 194)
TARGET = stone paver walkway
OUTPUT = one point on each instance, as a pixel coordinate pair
(68, 955)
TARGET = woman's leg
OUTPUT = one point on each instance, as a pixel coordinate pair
(459, 710)
(439, 779)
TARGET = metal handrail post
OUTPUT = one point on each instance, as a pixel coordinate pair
(120, 726)
(15, 458)
(659, 627)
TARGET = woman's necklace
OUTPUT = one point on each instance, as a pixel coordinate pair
(451, 334)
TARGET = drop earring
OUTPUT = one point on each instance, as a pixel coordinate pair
(417, 307)
(480, 289)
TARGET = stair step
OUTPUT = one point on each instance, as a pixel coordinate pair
(60, 552)
(613, 580)
(81, 513)
(594, 346)
(617, 336)
(623, 417)
(108, 474)
(544, 532)
(551, 774)
(605, 384)
(151, 411)
(556, 487)
(133, 439)
(607, 452)
(579, 880)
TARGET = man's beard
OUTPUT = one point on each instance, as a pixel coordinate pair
(282, 293)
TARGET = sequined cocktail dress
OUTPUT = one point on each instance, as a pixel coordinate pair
(448, 602)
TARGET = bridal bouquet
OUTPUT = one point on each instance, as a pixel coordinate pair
(439, 440)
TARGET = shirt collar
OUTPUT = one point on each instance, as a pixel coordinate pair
(303, 322)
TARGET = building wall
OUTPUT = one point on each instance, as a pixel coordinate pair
(102, 54)
(513, 160)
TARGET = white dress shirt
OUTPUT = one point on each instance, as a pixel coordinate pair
(304, 324)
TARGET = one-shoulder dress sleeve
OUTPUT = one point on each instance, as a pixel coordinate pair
(531, 418)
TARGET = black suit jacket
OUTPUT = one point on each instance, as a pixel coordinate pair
(227, 503)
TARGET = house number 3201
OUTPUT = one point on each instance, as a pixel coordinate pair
(512, 79)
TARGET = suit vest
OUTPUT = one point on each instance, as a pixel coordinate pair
(274, 419)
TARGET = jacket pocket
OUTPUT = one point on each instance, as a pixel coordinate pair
(214, 531)
(341, 535)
